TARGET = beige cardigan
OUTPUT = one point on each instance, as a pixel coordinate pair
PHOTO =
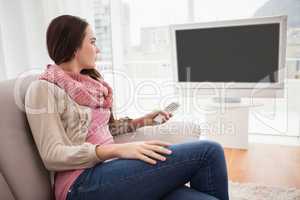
(59, 127)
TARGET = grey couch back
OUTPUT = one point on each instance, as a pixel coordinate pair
(22, 173)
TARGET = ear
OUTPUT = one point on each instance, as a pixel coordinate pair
(76, 54)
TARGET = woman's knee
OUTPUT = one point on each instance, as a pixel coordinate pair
(204, 149)
(213, 149)
(215, 146)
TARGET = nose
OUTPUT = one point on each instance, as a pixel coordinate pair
(97, 50)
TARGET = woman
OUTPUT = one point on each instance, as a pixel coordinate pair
(69, 112)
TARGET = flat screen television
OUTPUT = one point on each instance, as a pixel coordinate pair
(242, 54)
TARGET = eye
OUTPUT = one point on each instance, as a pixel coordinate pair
(93, 41)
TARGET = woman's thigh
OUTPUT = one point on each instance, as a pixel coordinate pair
(136, 180)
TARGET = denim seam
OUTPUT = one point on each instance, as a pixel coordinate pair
(210, 174)
(210, 182)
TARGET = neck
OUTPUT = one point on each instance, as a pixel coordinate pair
(71, 66)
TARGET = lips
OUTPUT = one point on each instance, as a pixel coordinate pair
(96, 57)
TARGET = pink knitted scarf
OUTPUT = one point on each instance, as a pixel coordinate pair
(81, 88)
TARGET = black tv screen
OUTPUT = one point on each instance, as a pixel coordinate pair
(247, 53)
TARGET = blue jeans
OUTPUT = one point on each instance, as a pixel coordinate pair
(202, 163)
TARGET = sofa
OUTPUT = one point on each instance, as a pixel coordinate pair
(22, 173)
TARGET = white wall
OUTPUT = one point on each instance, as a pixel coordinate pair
(35, 33)
(24, 23)
(2, 61)
(121, 86)
(81, 8)
(14, 43)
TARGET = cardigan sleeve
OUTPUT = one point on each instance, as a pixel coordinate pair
(43, 115)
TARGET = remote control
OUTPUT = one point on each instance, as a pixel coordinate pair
(170, 109)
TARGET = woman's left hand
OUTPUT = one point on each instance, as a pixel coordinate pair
(149, 118)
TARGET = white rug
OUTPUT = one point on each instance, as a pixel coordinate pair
(251, 191)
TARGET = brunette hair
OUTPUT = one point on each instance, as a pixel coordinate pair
(65, 35)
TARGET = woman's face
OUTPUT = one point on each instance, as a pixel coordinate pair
(86, 55)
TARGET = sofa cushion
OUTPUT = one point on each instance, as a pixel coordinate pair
(5, 192)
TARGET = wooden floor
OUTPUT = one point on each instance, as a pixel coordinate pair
(272, 165)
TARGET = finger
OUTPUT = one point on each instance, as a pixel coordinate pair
(147, 159)
(165, 114)
(158, 142)
(158, 149)
(155, 112)
(154, 155)
(164, 120)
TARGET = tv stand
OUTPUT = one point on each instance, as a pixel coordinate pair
(228, 123)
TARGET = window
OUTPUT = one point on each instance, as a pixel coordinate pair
(145, 36)
(103, 32)
(143, 41)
